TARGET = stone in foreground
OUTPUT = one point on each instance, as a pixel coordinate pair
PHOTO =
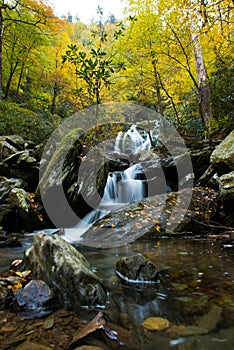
(66, 271)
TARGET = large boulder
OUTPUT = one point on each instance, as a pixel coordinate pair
(222, 157)
(82, 189)
(65, 270)
(168, 214)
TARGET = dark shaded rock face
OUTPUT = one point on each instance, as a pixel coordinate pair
(65, 270)
(136, 269)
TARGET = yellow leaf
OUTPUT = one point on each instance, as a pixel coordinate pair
(157, 228)
(16, 286)
(155, 323)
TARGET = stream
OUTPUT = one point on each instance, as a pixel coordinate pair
(195, 274)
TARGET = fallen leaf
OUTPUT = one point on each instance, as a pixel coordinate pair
(97, 322)
(23, 274)
(173, 330)
(193, 330)
(155, 323)
(16, 262)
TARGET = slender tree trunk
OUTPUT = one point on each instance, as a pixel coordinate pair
(170, 98)
(19, 81)
(1, 32)
(12, 71)
(56, 91)
(203, 83)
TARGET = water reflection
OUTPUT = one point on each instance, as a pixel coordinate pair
(195, 276)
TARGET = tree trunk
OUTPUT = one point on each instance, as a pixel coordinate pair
(1, 32)
(19, 81)
(12, 71)
(56, 90)
(203, 83)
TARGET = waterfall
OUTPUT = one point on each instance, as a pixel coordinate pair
(132, 141)
(122, 187)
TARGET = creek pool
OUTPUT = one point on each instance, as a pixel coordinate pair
(196, 275)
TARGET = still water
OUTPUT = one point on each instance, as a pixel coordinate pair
(196, 275)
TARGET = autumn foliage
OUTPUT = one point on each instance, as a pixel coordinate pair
(174, 57)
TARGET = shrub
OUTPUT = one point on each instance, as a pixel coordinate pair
(15, 120)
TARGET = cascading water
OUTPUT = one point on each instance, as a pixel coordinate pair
(122, 187)
(132, 141)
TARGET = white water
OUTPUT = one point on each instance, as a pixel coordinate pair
(132, 141)
(122, 187)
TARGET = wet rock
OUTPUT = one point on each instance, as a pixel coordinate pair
(82, 188)
(167, 214)
(200, 159)
(19, 198)
(26, 216)
(10, 145)
(136, 269)
(6, 185)
(6, 296)
(210, 320)
(13, 340)
(193, 330)
(36, 297)
(6, 216)
(5, 170)
(10, 242)
(32, 346)
(209, 178)
(88, 347)
(25, 160)
(48, 323)
(226, 188)
(222, 157)
(65, 270)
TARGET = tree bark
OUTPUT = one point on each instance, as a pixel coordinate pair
(203, 83)
(12, 71)
(1, 32)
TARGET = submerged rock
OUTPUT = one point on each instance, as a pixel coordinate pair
(65, 270)
(32, 346)
(136, 269)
